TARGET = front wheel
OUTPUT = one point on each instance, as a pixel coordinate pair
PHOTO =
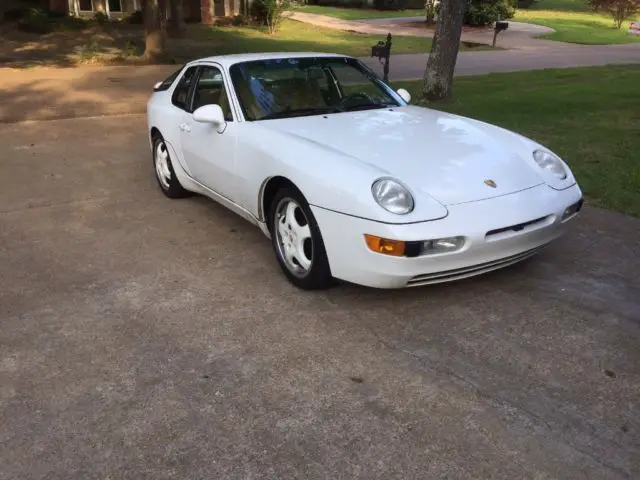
(297, 241)
(165, 175)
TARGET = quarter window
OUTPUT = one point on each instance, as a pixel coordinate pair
(167, 82)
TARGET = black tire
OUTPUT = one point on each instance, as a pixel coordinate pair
(170, 186)
(318, 276)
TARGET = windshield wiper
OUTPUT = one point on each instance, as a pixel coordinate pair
(367, 106)
(298, 112)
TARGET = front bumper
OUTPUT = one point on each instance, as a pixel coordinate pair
(490, 244)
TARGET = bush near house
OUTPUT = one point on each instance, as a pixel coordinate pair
(35, 20)
(484, 12)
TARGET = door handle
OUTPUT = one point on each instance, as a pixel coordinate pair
(184, 127)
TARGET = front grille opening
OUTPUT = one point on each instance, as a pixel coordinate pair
(518, 228)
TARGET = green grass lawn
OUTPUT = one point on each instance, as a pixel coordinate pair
(298, 36)
(588, 116)
(574, 23)
(358, 13)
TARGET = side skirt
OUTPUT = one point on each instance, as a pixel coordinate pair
(193, 185)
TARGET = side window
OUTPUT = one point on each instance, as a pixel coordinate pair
(180, 96)
(210, 90)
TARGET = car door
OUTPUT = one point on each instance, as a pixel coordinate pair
(208, 152)
(178, 113)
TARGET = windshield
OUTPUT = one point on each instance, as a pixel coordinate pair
(293, 87)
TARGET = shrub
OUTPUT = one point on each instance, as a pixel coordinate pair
(486, 12)
(35, 20)
(269, 12)
(239, 20)
(16, 13)
(100, 18)
(135, 18)
(525, 3)
(71, 23)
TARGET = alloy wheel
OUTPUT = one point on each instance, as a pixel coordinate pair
(293, 237)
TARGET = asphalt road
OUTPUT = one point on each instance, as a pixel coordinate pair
(411, 66)
(144, 338)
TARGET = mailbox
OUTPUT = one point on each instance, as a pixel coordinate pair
(499, 27)
(382, 50)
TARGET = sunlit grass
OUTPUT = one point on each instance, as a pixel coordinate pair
(574, 23)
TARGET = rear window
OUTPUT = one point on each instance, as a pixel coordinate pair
(166, 83)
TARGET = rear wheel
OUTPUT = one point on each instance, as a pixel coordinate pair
(165, 175)
(297, 241)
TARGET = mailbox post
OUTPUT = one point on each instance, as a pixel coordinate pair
(382, 50)
(500, 26)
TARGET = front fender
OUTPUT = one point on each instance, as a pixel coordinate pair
(327, 178)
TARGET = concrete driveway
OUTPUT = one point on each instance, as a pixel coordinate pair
(144, 338)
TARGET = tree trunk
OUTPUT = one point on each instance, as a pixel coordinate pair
(438, 76)
(177, 26)
(155, 31)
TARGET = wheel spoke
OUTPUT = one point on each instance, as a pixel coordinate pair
(165, 169)
(302, 259)
(303, 232)
(289, 254)
(290, 215)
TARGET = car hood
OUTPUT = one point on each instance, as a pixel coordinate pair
(442, 155)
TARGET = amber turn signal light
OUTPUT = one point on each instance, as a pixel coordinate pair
(385, 246)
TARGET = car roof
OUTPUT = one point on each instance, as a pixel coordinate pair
(230, 59)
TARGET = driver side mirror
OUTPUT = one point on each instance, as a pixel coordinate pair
(211, 114)
(406, 96)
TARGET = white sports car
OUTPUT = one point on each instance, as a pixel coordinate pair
(348, 180)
